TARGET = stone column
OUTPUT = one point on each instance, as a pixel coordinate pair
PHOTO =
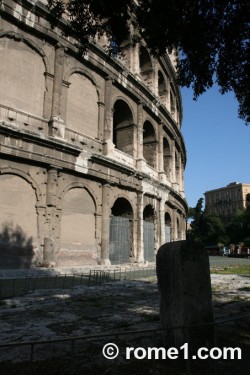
(161, 171)
(135, 63)
(105, 225)
(140, 253)
(100, 120)
(181, 178)
(108, 118)
(173, 171)
(49, 79)
(162, 222)
(140, 159)
(49, 238)
(174, 226)
(57, 126)
(160, 149)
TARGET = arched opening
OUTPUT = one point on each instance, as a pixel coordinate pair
(167, 227)
(162, 90)
(166, 157)
(77, 242)
(145, 66)
(121, 232)
(149, 144)
(148, 233)
(18, 223)
(22, 79)
(123, 128)
(82, 106)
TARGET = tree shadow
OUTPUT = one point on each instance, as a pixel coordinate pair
(16, 249)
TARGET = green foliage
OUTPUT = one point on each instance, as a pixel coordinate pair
(239, 229)
(213, 37)
(207, 227)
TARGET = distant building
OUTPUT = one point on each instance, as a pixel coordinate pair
(226, 200)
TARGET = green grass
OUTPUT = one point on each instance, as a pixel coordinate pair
(235, 270)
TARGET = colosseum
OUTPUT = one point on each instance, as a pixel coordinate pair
(92, 155)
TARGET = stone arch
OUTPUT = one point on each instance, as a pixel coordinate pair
(121, 232)
(125, 196)
(149, 233)
(27, 92)
(18, 220)
(80, 185)
(162, 87)
(84, 72)
(149, 144)
(123, 127)
(26, 177)
(78, 227)
(22, 38)
(145, 66)
(82, 109)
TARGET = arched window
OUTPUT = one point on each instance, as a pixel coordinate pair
(162, 90)
(123, 128)
(18, 222)
(22, 79)
(121, 232)
(82, 106)
(146, 68)
(149, 144)
(78, 246)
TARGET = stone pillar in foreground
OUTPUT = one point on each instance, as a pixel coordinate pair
(185, 294)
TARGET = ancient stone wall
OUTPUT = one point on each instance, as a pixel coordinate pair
(85, 142)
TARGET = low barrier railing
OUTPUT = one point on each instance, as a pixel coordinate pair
(79, 354)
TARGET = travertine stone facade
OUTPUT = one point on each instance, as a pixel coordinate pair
(92, 155)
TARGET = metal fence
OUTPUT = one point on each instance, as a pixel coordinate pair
(19, 286)
(84, 354)
(220, 262)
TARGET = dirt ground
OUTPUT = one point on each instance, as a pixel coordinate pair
(113, 307)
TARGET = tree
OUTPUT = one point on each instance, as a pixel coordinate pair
(211, 36)
(239, 228)
(212, 230)
(196, 214)
(206, 228)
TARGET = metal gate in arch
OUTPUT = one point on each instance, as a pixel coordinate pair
(148, 241)
(167, 233)
(119, 239)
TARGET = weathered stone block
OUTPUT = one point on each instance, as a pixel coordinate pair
(185, 294)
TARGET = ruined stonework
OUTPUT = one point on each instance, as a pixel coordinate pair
(91, 152)
(183, 275)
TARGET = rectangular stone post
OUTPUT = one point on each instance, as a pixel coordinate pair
(57, 126)
(105, 225)
(185, 294)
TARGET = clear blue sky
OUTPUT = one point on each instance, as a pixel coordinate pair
(217, 143)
